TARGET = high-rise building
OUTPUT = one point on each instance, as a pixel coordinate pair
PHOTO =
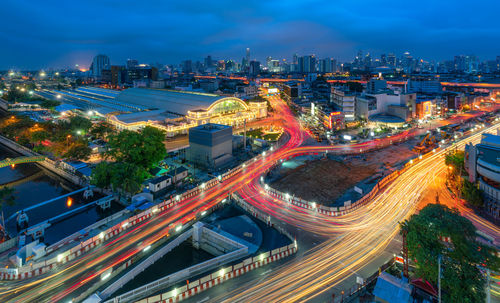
(307, 64)
(248, 55)
(187, 66)
(132, 63)
(208, 62)
(391, 60)
(254, 68)
(99, 63)
(327, 65)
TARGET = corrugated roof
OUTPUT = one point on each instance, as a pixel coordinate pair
(167, 100)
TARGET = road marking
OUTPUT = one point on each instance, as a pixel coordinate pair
(266, 272)
(204, 299)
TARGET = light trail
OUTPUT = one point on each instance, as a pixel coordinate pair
(355, 238)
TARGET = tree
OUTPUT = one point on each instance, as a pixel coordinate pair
(462, 280)
(127, 177)
(471, 193)
(78, 123)
(144, 148)
(119, 176)
(39, 136)
(456, 161)
(102, 174)
(46, 103)
(7, 197)
(101, 130)
(78, 151)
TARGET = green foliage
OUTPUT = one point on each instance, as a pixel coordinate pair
(101, 175)
(456, 161)
(46, 103)
(144, 148)
(471, 193)
(39, 136)
(101, 130)
(78, 123)
(462, 281)
(119, 176)
(7, 197)
(78, 151)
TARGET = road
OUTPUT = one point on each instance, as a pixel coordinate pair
(353, 240)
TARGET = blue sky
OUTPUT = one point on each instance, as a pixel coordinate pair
(41, 34)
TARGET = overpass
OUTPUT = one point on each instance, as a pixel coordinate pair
(19, 160)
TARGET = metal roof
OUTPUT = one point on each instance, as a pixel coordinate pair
(172, 101)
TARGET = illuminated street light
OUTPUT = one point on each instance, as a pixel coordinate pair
(58, 96)
(146, 248)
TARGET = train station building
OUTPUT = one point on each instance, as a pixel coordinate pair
(178, 111)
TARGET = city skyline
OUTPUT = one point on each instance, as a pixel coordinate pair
(48, 36)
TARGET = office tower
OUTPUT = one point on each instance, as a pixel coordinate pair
(99, 63)
(132, 63)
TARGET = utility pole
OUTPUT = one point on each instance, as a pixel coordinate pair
(439, 278)
(245, 135)
(405, 256)
(488, 294)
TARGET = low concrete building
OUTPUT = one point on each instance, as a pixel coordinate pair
(159, 183)
(210, 145)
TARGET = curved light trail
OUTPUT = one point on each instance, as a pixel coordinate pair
(353, 239)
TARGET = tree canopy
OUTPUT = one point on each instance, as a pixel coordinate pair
(118, 176)
(144, 148)
(462, 280)
(456, 161)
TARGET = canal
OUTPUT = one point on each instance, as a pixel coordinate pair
(33, 185)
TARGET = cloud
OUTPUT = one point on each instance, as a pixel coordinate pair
(38, 34)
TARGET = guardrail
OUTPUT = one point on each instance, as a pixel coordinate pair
(348, 206)
(145, 264)
(39, 268)
(171, 279)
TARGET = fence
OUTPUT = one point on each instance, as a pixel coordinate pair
(348, 206)
(145, 264)
(171, 279)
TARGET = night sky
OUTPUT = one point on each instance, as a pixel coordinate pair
(41, 34)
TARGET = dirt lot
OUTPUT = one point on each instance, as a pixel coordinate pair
(326, 180)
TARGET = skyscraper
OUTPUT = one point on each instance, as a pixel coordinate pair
(132, 63)
(99, 63)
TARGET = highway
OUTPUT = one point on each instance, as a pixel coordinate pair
(353, 239)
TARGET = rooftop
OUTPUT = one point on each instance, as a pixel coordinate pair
(210, 127)
(177, 102)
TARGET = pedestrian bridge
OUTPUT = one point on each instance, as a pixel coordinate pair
(19, 160)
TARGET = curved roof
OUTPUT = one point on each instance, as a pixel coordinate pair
(385, 118)
(178, 102)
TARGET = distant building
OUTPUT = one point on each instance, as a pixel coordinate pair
(99, 63)
(210, 145)
(132, 63)
(376, 86)
(424, 85)
(482, 162)
(345, 101)
(254, 68)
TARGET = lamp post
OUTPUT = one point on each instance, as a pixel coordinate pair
(67, 141)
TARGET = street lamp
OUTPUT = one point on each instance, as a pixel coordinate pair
(67, 141)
